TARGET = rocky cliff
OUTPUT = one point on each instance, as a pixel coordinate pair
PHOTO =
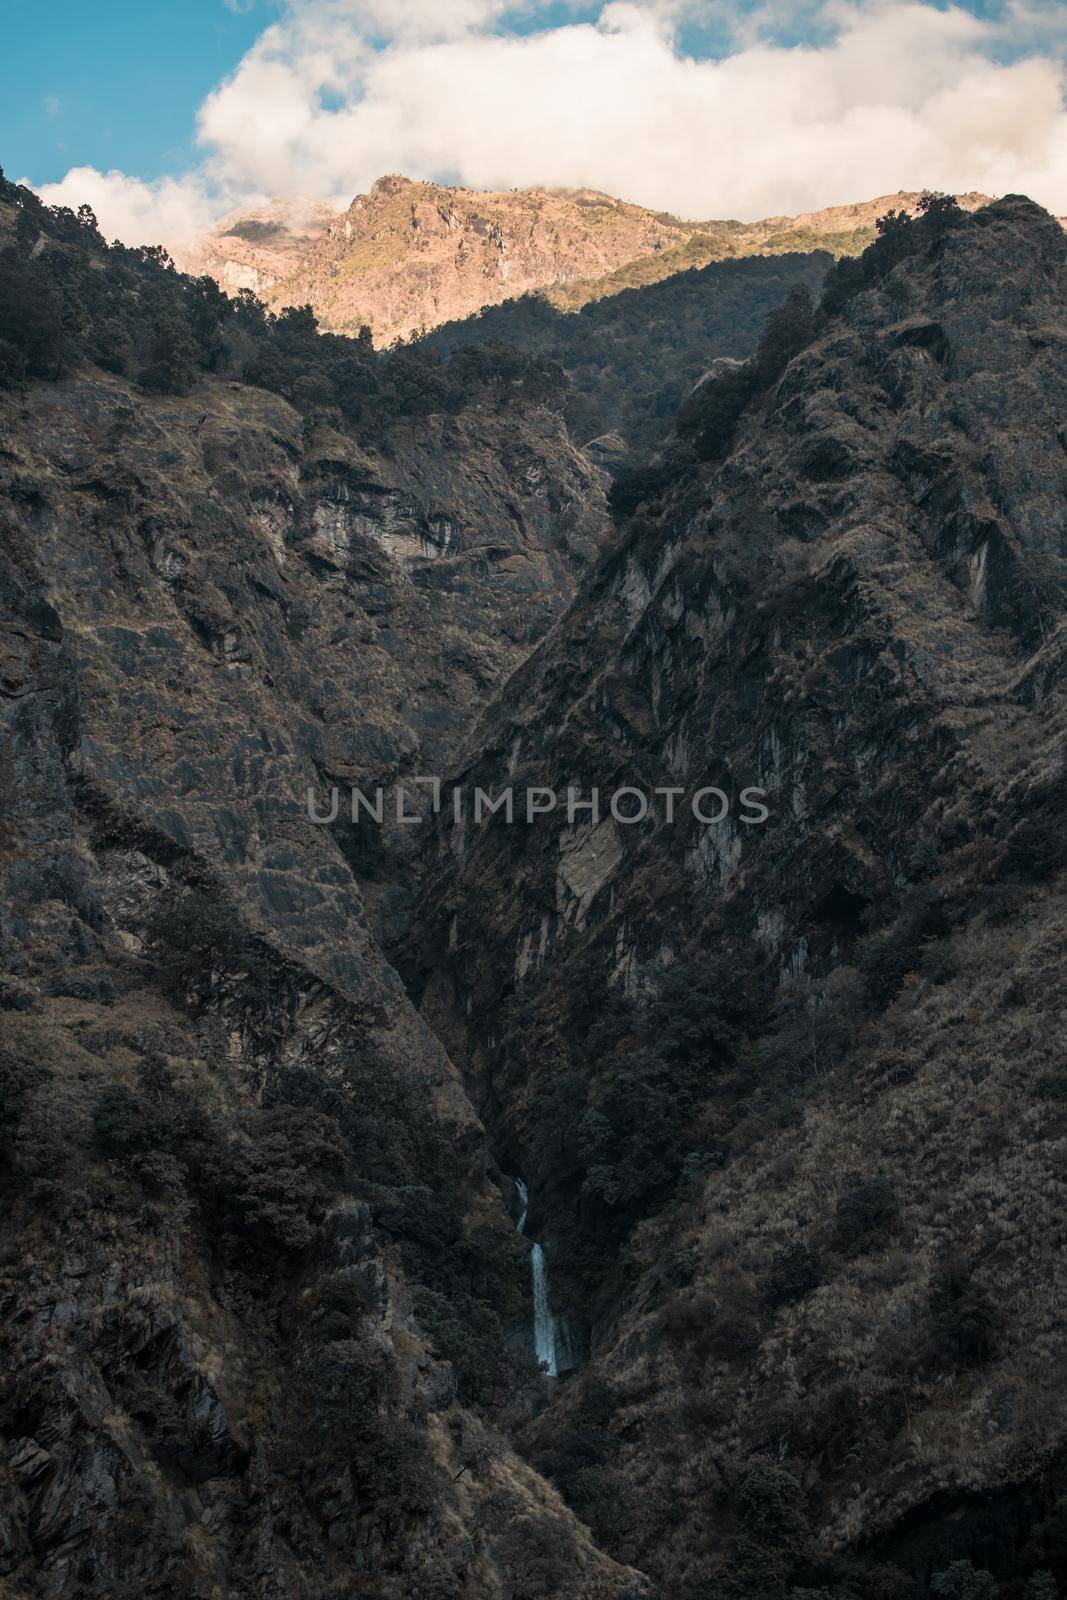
(408, 256)
(787, 1091)
(257, 1280)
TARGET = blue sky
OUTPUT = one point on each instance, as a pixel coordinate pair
(164, 116)
(118, 84)
(112, 84)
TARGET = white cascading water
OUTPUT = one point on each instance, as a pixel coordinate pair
(544, 1324)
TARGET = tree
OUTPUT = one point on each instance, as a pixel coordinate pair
(787, 331)
(171, 366)
(962, 1581)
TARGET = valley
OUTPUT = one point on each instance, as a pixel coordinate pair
(560, 1207)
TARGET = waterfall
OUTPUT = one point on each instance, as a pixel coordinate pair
(544, 1322)
(544, 1326)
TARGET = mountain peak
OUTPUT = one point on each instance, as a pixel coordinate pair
(409, 255)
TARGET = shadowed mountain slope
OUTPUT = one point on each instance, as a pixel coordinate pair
(260, 1292)
(789, 1096)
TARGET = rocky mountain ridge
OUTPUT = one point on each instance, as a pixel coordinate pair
(409, 255)
(785, 1098)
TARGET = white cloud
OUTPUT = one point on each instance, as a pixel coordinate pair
(896, 94)
(167, 211)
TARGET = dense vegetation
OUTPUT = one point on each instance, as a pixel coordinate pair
(66, 296)
(630, 1103)
(707, 420)
(632, 357)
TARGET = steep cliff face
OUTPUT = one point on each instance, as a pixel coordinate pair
(787, 1093)
(409, 255)
(256, 1275)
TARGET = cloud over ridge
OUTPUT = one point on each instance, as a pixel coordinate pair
(892, 94)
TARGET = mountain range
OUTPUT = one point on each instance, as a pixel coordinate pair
(408, 255)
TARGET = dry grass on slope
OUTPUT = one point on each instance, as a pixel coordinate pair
(880, 1386)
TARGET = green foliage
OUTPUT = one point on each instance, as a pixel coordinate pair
(125, 1125)
(32, 342)
(538, 1555)
(273, 1187)
(347, 1384)
(472, 1340)
(709, 418)
(195, 932)
(1042, 1586)
(171, 365)
(633, 356)
(888, 954)
(17, 1078)
(769, 1503)
(899, 237)
(720, 1324)
(66, 296)
(794, 1272)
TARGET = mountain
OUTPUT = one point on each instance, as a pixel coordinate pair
(255, 1273)
(257, 248)
(408, 256)
(786, 1092)
(633, 356)
(579, 1209)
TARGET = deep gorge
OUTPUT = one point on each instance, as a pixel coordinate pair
(785, 1100)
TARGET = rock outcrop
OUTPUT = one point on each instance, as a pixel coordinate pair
(785, 1092)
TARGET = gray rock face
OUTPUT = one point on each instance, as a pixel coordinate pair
(221, 1111)
(860, 613)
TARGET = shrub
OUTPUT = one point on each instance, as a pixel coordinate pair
(346, 1384)
(774, 1531)
(124, 1125)
(865, 1214)
(1042, 1586)
(890, 953)
(32, 340)
(171, 364)
(962, 1581)
(274, 1189)
(795, 1271)
(538, 1554)
(722, 1325)
(899, 237)
(963, 1322)
(17, 1077)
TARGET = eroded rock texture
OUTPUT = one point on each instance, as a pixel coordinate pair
(256, 1285)
(787, 1094)
(786, 1097)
